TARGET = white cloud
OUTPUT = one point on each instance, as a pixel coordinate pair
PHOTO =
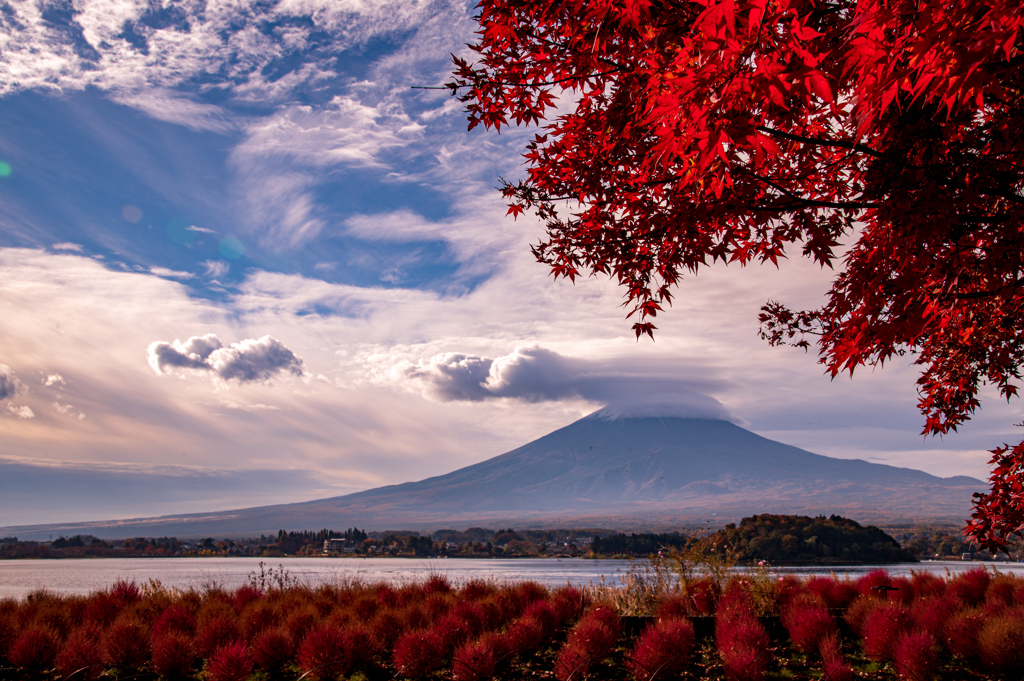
(534, 374)
(54, 379)
(173, 274)
(247, 361)
(71, 315)
(200, 230)
(67, 246)
(284, 157)
(215, 269)
(166, 105)
(68, 410)
(21, 411)
(344, 131)
(142, 50)
(278, 204)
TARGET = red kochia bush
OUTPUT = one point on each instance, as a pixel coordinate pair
(271, 649)
(673, 606)
(663, 650)
(437, 584)
(838, 593)
(703, 595)
(1001, 642)
(868, 584)
(961, 632)
(927, 584)
(35, 649)
(359, 643)
(244, 596)
(173, 655)
(126, 644)
(742, 642)
(477, 589)
(914, 655)
(366, 606)
(257, 616)
(1001, 591)
(6, 636)
(544, 614)
(568, 602)
(300, 620)
(417, 654)
(931, 614)
(125, 592)
(859, 611)
(101, 608)
(591, 639)
(385, 629)
(453, 631)
(174, 618)
(80, 655)
(882, 627)
(215, 631)
(970, 586)
(472, 613)
(231, 662)
(904, 590)
(323, 653)
(525, 636)
(476, 660)
(807, 621)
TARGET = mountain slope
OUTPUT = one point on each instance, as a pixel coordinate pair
(627, 473)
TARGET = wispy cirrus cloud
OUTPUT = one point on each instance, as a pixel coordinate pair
(344, 131)
(172, 107)
(282, 158)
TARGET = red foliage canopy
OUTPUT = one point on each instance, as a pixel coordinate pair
(679, 133)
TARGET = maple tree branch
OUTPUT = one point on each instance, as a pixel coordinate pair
(863, 148)
(453, 86)
(988, 293)
(1009, 196)
(805, 202)
(568, 50)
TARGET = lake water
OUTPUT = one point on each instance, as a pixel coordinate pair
(18, 578)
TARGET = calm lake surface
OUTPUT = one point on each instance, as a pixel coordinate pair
(18, 578)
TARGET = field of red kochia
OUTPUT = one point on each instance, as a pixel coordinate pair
(749, 628)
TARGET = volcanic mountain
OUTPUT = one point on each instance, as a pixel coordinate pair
(627, 473)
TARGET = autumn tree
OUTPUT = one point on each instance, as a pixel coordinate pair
(882, 138)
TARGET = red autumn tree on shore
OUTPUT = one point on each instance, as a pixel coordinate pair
(739, 130)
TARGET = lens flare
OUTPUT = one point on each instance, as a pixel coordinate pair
(231, 248)
(5, 169)
(131, 213)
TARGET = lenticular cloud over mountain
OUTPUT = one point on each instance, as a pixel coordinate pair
(246, 361)
(692, 405)
(535, 374)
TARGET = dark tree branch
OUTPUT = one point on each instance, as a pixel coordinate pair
(841, 144)
(810, 203)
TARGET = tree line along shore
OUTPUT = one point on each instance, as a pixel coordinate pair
(777, 539)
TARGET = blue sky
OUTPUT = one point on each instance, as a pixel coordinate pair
(244, 261)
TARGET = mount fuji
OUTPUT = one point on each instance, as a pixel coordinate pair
(630, 473)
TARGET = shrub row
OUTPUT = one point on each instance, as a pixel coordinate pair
(917, 628)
